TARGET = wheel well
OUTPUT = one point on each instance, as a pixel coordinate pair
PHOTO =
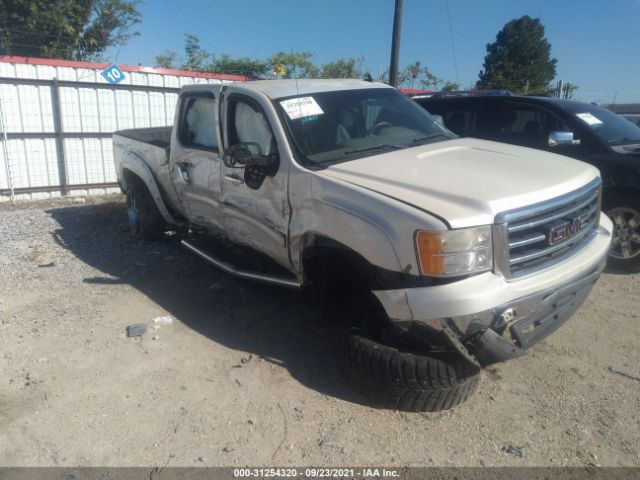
(131, 179)
(616, 193)
(335, 268)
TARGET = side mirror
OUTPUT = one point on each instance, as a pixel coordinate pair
(249, 155)
(236, 156)
(562, 138)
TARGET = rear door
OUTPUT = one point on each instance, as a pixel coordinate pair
(196, 158)
(255, 207)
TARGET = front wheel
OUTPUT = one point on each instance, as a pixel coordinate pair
(392, 378)
(624, 253)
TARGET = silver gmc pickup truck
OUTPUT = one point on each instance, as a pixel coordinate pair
(450, 254)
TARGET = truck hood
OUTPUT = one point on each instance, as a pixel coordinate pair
(466, 181)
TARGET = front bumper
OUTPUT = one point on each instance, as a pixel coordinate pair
(496, 318)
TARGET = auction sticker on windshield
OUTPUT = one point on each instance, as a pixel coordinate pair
(301, 107)
(589, 118)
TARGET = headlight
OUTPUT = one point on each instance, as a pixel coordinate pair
(455, 252)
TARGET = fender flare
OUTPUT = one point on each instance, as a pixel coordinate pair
(315, 225)
(135, 164)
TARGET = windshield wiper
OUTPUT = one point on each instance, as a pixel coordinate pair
(379, 146)
(429, 137)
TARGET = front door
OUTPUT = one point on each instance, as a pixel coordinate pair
(255, 206)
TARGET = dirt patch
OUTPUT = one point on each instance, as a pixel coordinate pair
(247, 374)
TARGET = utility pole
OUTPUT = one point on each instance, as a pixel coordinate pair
(395, 44)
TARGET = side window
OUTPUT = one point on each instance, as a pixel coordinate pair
(198, 128)
(248, 123)
(532, 125)
(460, 121)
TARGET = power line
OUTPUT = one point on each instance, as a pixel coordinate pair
(453, 46)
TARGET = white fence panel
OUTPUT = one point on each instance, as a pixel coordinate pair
(78, 157)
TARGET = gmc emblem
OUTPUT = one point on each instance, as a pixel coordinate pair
(564, 231)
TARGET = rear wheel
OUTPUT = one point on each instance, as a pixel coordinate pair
(624, 212)
(143, 216)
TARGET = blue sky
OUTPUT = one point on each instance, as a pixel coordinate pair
(597, 43)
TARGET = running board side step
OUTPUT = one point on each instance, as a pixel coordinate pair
(227, 267)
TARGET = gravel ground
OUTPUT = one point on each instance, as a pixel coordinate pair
(246, 374)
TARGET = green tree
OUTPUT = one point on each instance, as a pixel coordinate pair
(342, 68)
(239, 66)
(519, 59)
(296, 64)
(69, 29)
(166, 59)
(415, 74)
(197, 57)
(450, 87)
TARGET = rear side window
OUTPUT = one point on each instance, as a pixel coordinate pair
(198, 128)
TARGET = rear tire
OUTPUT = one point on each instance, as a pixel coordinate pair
(390, 378)
(144, 218)
(624, 212)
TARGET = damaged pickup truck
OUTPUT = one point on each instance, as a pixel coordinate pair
(457, 253)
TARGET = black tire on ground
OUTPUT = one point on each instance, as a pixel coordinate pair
(390, 378)
(624, 212)
(144, 218)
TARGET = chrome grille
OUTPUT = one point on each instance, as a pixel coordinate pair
(538, 236)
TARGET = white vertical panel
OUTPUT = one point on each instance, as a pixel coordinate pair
(124, 109)
(93, 160)
(141, 109)
(30, 108)
(74, 155)
(7, 69)
(87, 75)
(24, 70)
(138, 78)
(4, 182)
(108, 161)
(89, 110)
(44, 94)
(66, 73)
(51, 153)
(70, 110)
(45, 72)
(17, 160)
(157, 110)
(171, 81)
(9, 96)
(35, 157)
(155, 80)
(107, 108)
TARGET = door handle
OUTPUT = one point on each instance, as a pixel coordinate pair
(184, 171)
(233, 179)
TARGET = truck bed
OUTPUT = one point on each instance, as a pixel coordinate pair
(157, 136)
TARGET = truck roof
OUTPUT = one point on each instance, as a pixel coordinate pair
(291, 87)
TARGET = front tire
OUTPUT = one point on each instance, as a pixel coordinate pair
(624, 212)
(391, 378)
(143, 216)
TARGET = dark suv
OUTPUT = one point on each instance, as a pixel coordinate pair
(579, 130)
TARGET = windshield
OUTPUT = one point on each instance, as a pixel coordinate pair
(347, 124)
(609, 126)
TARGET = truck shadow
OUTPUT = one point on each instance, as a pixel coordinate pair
(278, 325)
